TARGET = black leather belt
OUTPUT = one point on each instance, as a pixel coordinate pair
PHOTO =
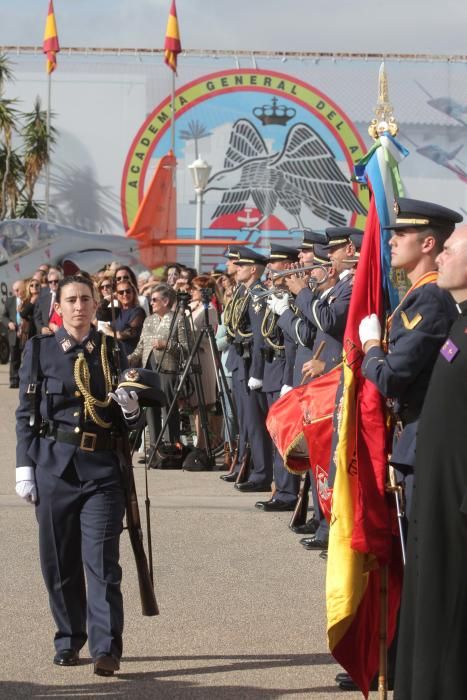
(87, 441)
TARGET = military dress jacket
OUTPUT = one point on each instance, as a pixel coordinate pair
(328, 312)
(249, 341)
(61, 406)
(419, 327)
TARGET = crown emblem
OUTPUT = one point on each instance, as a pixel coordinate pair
(275, 114)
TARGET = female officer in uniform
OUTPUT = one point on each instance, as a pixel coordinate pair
(67, 467)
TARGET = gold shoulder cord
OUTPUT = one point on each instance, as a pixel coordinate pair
(83, 382)
(238, 313)
(268, 328)
(229, 312)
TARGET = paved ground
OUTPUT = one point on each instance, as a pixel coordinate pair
(242, 604)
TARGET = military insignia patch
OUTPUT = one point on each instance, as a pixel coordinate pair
(410, 325)
(396, 208)
(90, 346)
(65, 344)
(449, 350)
(131, 375)
(257, 308)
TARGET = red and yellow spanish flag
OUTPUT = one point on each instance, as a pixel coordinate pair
(172, 44)
(363, 533)
(50, 44)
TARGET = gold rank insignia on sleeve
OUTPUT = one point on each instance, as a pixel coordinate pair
(410, 325)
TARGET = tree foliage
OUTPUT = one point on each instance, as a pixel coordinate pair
(24, 151)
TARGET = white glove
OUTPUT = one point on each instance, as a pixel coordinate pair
(278, 304)
(128, 402)
(25, 484)
(254, 384)
(285, 389)
(369, 329)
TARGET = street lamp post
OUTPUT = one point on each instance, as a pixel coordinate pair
(200, 171)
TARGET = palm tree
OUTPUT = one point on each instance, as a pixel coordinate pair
(36, 149)
(8, 116)
(20, 167)
(195, 132)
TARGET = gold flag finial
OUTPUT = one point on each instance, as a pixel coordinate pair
(385, 120)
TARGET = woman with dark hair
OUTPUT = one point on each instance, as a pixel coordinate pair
(123, 273)
(129, 322)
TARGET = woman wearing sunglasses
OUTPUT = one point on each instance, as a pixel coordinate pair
(129, 322)
(28, 327)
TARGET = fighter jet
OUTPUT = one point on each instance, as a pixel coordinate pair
(446, 105)
(26, 243)
(304, 172)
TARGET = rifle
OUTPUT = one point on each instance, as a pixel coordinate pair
(244, 471)
(133, 521)
(299, 515)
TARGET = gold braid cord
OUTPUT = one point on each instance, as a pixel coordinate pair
(229, 310)
(83, 382)
(268, 326)
(238, 313)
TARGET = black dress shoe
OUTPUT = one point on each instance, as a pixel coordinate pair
(309, 528)
(230, 478)
(313, 543)
(274, 504)
(67, 657)
(348, 684)
(106, 664)
(248, 486)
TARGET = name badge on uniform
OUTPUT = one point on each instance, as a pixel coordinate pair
(449, 350)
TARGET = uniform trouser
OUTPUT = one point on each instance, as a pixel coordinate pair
(255, 406)
(287, 485)
(15, 362)
(241, 416)
(322, 533)
(79, 531)
(155, 414)
(229, 422)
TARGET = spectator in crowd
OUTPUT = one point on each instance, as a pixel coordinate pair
(123, 273)
(45, 317)
(28, 327)
(41, 277)
(156, 351)
(225, 289)
(106, 296)
(129, 322)
(208, 370)
(12, 319)
(171, 273)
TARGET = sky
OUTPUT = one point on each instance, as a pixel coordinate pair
(400, 26)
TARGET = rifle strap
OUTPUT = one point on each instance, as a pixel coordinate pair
(31, 390)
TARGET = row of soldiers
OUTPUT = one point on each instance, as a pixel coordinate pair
(275, 335)
(280, 340)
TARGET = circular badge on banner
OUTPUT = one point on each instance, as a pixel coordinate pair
(282, 154)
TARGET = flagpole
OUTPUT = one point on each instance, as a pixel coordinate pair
(172, 128)
(47, 169)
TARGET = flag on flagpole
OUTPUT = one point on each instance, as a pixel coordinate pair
(172, 44)
(50, 45)
(361, 534)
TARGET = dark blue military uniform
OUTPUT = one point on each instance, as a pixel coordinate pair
(81, 501)
(419, 327)
(279, 353)
(249, 344)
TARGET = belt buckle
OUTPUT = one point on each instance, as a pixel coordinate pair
(88, 442)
